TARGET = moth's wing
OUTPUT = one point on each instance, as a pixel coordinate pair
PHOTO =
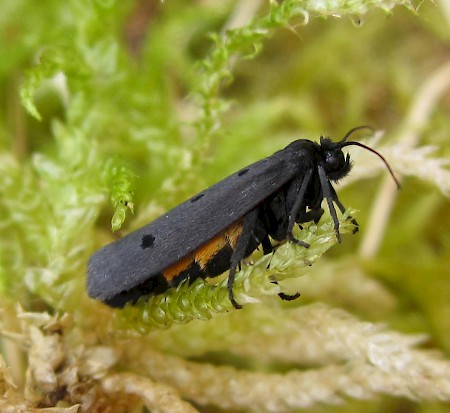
(133, 259)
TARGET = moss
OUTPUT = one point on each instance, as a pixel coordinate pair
(117, 107)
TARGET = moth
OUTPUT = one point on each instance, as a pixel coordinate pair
(215, 229)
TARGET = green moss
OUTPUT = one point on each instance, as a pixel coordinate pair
(200, 299)
(110, 108)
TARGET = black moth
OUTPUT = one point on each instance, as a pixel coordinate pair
(215, 229)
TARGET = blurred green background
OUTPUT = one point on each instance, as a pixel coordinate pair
(110, 106)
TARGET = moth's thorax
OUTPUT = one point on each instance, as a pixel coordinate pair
(326, 154)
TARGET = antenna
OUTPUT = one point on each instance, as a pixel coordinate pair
(351, 131)
(344, 142)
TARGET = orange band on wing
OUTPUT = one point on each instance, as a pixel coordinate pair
(207, 251)
(204, 254)
(175, 269)
(233, 233)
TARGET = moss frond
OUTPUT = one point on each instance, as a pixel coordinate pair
(352, 359)
(200, 300)
(110, 107)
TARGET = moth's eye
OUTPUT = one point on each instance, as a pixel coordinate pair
(334, 160)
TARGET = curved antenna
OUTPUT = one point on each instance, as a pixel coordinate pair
(351, 131)
(371, 150)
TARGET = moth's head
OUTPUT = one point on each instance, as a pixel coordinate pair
(337, 165)
(333, 160)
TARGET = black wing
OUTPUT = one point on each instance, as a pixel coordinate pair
(131, 260)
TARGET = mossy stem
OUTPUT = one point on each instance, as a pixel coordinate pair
(409, 132)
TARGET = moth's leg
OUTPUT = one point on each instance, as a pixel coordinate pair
(239, 252)
(289, 297)
(343, 209)
(313, 215)
(327, 194)
(266, 245)
(268, 248)
(296, 208)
